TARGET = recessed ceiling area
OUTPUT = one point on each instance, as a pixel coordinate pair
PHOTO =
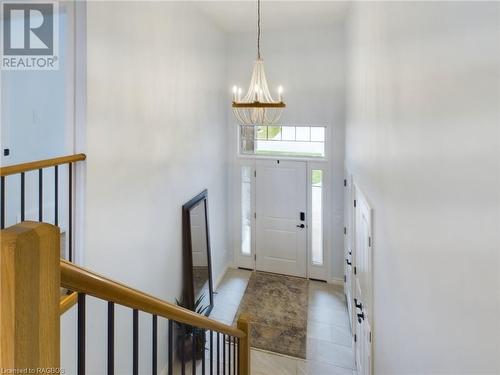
(241, 16)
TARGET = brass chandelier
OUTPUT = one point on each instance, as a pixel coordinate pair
(258, 107)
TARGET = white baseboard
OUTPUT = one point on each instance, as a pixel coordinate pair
(221, 276)
(337, 281)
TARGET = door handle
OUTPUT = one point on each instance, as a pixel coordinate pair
(361, 316)
(358, 305)
(301, 226)
(348, 263)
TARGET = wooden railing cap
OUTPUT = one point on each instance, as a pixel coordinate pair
(81, 280)
(39, 164)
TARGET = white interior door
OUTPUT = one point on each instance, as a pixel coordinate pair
(363, 283)
(348, 249)
(281, 226)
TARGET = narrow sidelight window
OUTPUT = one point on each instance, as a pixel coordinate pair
(317, 216)
(246, 210)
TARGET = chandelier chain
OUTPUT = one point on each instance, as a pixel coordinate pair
(258, 29)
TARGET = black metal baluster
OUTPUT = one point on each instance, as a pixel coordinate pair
(211, 352)
(56, 195)
(229, 355)
(111, 338)
(223, 354)
(193, 351)
(170, 347)
(23, 189)
(238, 342)
(81, 334)
(234, 355)
(183, 349)
(155, 345)
(135, 348)
(2, 202)
(203, 351)
(70, 218)
(40, 195)
(203, 357)
(218, 355)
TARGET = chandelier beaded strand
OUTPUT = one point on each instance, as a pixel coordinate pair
(257, 107)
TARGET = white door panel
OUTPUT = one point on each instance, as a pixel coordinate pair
(362, 262)
(281, 245)
(348, 248)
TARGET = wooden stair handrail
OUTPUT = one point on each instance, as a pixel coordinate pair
(67, 302)
(39, 164)
(81, 280)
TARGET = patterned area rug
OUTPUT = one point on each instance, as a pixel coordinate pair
(277, 308)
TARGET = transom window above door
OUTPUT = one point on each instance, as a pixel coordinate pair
(293, 141)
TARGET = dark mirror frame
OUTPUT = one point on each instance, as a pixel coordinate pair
(188, 254)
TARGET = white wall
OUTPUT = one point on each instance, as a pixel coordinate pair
(155, 138)
(37, 122)
(423, 143)
(310, 66)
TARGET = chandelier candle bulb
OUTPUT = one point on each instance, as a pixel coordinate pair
(235, 90)
(280, 94)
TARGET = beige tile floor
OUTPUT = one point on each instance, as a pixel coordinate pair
(329, 343)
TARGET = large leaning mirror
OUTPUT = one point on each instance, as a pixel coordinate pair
(198, 292)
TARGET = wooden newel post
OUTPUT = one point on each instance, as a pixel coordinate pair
(29, 297)
(244, 346)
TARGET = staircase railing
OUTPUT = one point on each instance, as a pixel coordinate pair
(31, 274)
(20, 170)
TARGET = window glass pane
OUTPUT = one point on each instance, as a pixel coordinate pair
(274, 133)
(247, 146)
(245, 131)
(317, 134)
(290, 148)
(261, 132)
(303, 133)
(288, 133)
(317, 216)
(303, 141)
(246, 210)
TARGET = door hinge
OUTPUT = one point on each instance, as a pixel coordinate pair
(345, 230)
(345, 182)
(355, 203)
(255, 173)
(355, 338)
(355, 270)
(370, 337)
(345, 278)
(255, 257)
(255, 215)
(369, 242)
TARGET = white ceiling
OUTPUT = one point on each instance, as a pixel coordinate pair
(241, 16)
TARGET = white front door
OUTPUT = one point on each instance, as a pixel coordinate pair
(363, 283)
(281, 225)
